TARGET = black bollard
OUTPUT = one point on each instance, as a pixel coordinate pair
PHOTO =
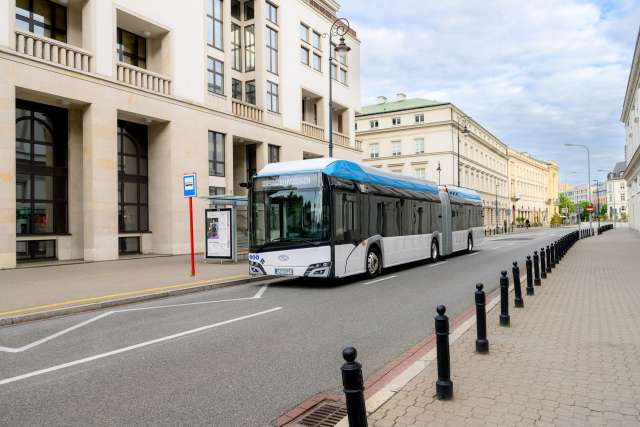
(353, 388)
(543, 263)
(444, 386)
(536, 268)
(482, 344)
(556, 252)
(552, 258)
(548, 259)
(530, 290)
(505, 320)
(517, 289)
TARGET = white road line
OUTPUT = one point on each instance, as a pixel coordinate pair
(438, 263)
(258, 295)
(379, 280)
(130, 348)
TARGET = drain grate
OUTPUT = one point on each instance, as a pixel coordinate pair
(324, 414)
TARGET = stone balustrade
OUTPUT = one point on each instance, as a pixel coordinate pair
(313, 131)
(248, 111)
(143, 79)
(50, 50)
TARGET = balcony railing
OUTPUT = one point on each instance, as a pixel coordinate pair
(313, 131)
(143, 79)
(53, 51)
(248, 111)
(341, 139)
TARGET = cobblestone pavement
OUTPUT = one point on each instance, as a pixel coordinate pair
(571, 356)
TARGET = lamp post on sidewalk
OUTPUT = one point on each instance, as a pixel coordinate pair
(598, 200)
(588, 174)
(339, 28)
(462, 120)
(497, 211)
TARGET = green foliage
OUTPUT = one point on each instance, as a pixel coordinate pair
(624, 216)
(555, 219)
(565, 202)
(520, 220)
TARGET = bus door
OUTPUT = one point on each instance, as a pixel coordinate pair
(445, 203)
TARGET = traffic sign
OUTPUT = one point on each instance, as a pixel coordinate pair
(590, 208)
(189, 186)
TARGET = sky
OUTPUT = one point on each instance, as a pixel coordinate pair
(535, 73)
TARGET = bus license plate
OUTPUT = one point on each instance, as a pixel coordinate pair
(284, 271)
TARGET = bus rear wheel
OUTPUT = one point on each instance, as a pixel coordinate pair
(435, 251)
(373, 262)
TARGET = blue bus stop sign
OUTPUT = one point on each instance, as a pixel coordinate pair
(189, 187)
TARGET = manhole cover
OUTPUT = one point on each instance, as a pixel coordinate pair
(324, 414)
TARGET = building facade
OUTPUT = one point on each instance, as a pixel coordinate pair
(438, 142)
(533, 188)
(105, 105)
(631, 119)
(617, 193)
(579, 193)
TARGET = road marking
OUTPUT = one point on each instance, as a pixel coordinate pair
(438, 263)
(120, 294)
(132, 347)
(473, 253)
(258, 295)
(379, 280)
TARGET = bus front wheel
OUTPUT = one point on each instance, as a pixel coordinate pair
(373, 262)
(435, 250)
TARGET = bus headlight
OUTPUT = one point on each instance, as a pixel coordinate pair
(320, 269)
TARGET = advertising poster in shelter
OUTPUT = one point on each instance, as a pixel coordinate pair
(218, 233)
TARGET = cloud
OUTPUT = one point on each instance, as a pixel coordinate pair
(536, 74)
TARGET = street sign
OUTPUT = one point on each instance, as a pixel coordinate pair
(189, 187)
(565, 210)
(590, 208)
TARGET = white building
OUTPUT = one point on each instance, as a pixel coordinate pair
(105, 104)
(617, 192)
(631, 118)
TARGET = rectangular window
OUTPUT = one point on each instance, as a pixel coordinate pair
(35, 249)
(419, 118)
(374, 151)
(317, 62)
(214, 23)
(131, 49)
(236, 47)
(133, 191)
(250, 92)
(249, 13)
(316, 40)
(304, 33)
(236, 9)
(215, 76)
(373, 124)
(396, 121)
(42, 17)
(216, 191)
(420, 173)
(274, 153)
(216, 154)
(396, 148)
(271, 36)
(304, 55)
(272, 13)
(342, 76)
(249, 48)
(419, 145)
(129, 245)
(236, 89)
(334, 71)
(272, 97)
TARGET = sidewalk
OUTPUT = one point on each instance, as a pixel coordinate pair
(570, 357)
(31, 290)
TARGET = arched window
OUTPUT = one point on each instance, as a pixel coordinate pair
(41, 176)
(133, 194)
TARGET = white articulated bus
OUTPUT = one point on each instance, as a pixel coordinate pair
(328, 218)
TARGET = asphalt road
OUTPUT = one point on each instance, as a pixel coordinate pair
(237, 356)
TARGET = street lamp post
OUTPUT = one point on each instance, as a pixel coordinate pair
(613, 199)
(339, 28)
(439, 169)
(497, 211)
(465, 131)
(598, 200)
(588, 175)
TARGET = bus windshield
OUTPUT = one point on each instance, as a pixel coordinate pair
(289, 210)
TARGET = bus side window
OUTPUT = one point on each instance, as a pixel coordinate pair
(348, 221)
(380, 218)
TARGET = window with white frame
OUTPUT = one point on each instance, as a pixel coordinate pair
(317, 62)
(215, 76)
(421, 173)
(419, 118)
(271, 13)
(316, 40)
(272, 97)
(373, 124)
(214, 23)
(304, 55)
(374, 150)
(396, 148)
(271, 36)
(236, 47)
(396, 121)
(419, 145)
(304, 32)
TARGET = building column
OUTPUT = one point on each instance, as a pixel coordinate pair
(100, 182)
(7, 175)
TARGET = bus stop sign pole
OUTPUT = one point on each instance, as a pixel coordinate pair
(190, 190)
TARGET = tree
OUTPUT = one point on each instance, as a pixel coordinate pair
(584, 216)
(604, 209)
(565, 202)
